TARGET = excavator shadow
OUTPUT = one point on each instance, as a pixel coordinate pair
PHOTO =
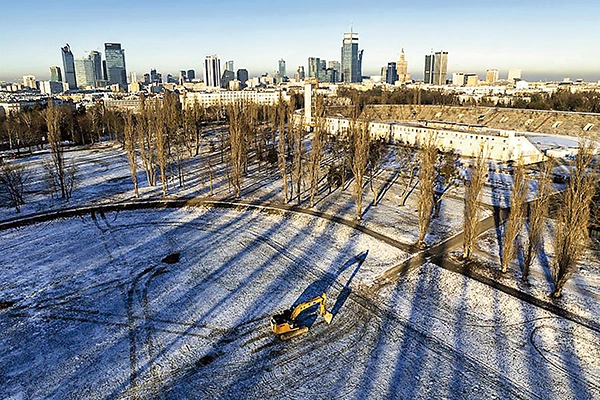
(324, 284)
(299, 319)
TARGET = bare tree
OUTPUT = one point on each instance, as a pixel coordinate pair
(278, 121)
(538, 212)
(157, 125)
(130, 139)
(361, 140)
(340, 169)
(316, 151)
(63, 175)
(13, 178)
(296, 136)
(147, 141)
(571, 233)
(408, 167)
(237, 131)
(427, 179)
(12, 130)
(447, 178)
(175, 135)
(473, 188)
(376, 153)
(516, 216)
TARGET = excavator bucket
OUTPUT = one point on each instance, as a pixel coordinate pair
(327, 316)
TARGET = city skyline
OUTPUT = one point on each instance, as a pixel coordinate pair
(546, 40)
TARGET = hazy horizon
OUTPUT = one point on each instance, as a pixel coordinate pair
(547, 40)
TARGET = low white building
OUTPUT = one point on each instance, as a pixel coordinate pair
(223, 98)
(467, 140)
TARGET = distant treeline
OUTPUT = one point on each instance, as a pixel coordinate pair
(561, 100)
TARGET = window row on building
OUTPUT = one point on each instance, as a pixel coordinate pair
(496, 145)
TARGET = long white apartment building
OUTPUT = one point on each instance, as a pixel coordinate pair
(467, 140)
(223, 98)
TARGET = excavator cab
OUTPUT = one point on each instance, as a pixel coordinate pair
(287, 325)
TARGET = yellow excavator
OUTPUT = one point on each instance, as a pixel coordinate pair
(285, 324)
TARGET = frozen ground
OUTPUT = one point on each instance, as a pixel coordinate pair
(89, 310)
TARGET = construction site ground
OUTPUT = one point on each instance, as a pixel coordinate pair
(175, 302)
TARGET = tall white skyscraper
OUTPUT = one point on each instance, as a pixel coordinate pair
(212, 71)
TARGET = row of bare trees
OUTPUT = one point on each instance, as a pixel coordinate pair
(434, 174)
(572, 218)
(59, 174)
(26, 130)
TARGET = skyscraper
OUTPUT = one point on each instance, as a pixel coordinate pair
(115, 64)
(104, 72)
(282, 70)
(182, 77)
(360, 60)
(229, 66)
(335, 65)
(84, 73)
(314, 64)
(191, 75)
(351, 59)
(69, 66)
(227, 77)
(154, 77)
(300, 72)
(55, 74)
(322, 71)
(212, 71)
(436, 68)
(96, 58)
(391, 75)
(428, 73)
(242, 76)
(440, 68)
(402, 68)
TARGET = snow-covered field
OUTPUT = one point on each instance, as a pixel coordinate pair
(90, 311)
(89, 307)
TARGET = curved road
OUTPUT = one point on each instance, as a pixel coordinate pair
(436, 254)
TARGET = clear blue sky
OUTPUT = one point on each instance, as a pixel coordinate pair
(545, 38)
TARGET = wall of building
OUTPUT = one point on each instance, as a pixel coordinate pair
(495, 144)
(223, 98)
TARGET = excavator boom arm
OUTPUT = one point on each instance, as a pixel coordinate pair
(307, 304)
